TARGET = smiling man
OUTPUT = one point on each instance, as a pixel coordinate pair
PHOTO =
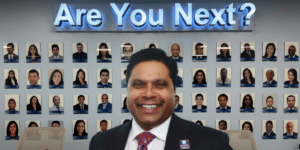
(151, 78)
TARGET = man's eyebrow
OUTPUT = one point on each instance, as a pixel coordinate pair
(141, 80)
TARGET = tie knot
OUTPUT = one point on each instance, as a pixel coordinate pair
(145, 138)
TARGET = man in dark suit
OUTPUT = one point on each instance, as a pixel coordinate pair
(105, 106)
(10, 52)
(80, 55)
(223, 99)
(127, 52)
(269, 108)
(292, 54)
(199, 102)
(151, 78)
(269, 133)
(104, 77)
(81, 105)
(247, 53)
(289, 134)
(175, 50)
(199, 53)
(270, 75)
(178, 107)
(179, 82)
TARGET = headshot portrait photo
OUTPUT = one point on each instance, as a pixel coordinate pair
(123, 78)
(56, 52)
(151, 45)
(223, 51)
(290, 129)
(33, 135)
(55, 123)
(80, 52)
(34, 78)
(223, 102)
(127, 49)
(104, 52)
(270, 77)
(11, 78)
(291, 51)
(178, 102)
(247, 51)
(56, 104)
(199, 102)
(80, 78)
(223, 124)
(247, 77)
(269, 103)
(223, 77)
(199, 77)
(11, 52)
(199, 52)
(179, 78)
(247, 102)
(33, 53)
(12, 104)
(268, 128)
(80, 130)
(34, 104)
(291, 78)
(104, 78)
(104, 103)
(247, 125)
(200, 122)
(176, 51)
(124, 108)
(290, 103)
(80, 104)
(12, 130)
(103, 125)
(56, 78)
(33, 124)
(269, 51)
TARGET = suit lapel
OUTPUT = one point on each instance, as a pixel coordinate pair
(123, 135)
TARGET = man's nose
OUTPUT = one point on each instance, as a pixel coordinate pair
(149, 92)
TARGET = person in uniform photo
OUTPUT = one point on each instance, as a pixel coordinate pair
(104, 77)
(291, 108)
(247, 126)
(291, 54)
(222, 125)
(178, 107)
(293, 79)
(56, 79)
(248, 52)
(127, 52)
(12, 131)
(223, 80)
(11, 79)
(10, 53)
(105, 106)
(248, 79)
(33, 53)
(103, 55)
(79, 130)
(34, 106)
(33, 78)
(80, 55)
(56, 108)
(175, 51)
(199, 79)
(271, 82)
(223, 99)
(247, 105)
(199, 107)
(12, 107)
(199, 53)
(290, 134)
(224, 53)
(269, 108)
(55, 52)
(269, 134)
(80, 79)
(270, 53)
(103, 126)
(123, 81)
(80, 106)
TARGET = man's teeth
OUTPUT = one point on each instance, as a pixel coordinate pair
(149, 106)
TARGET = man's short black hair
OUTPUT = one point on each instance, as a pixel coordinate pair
(125, 71)
(177, 97)
(11, 44)
(55, 45)
(223, 95)
(153, 55)
(128, 44)
(269, 97)
(104, 70)
(223, 69)
(34, 71)
(55, 122)
(198, 45)
(81, 96)
(199, 95)
(11, 100)
(79, 44)
(269, 122)
(290, 96)
(223, 121)
(103, 121)
(103, 95)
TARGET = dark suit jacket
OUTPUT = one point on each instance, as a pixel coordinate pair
(200, 138)
(272, 134)
(107, 109)
(195, 107)
(30, 108)
(77, 107)
(244, 54)
(179, 106)
(195, 57)
(221, 56)
(245, 81)
(14, 56)
(8, 82)
(273, 82)
(100, 83)
(288, 82)
(294, 133)
(228, 107)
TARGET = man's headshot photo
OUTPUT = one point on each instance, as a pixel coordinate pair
(11, 53)
(223, 103)
(80, 104)
(247, 51)
(33, 124)
(270, 77)
(199, 52)
(103, 78)
(200, 122)
(152, 45)
(290, 129)
(80, 52)
(247, 102)
(56, 104)
(179, 81)
(104, 103)
(56, 52)
(290, 103)
(223, 77)
(291, 78)
(123, 78)
(269, 51)
(33, 53)
(34, 104)
(55, 123)
(269, 103)
(178, 102)
(176, 51)
(12, 104)
(223, 124)
(127, 49)
(151, 100)
(223, 51)
(199, 77)
(104, 52)
(11, 78)
(80, 78)
(269, 129)
(103, 125)
(199, 102)
(33, 78)
(291, 51)
(247, 125)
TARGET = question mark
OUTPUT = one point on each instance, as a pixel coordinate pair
(252, 10)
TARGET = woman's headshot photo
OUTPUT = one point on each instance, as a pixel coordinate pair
(80, 129)
(104, 52)
(223, 51)
(80, 78)
(247, 102)
(269, 51)
(246, 125)
(12, 78)
(33, 123)
(33, 53)
(151, 45)
(247, 77)
(124, 104)
(56, 79)
(33, 104)
(12, 130)
(291, 78)
(199, 79)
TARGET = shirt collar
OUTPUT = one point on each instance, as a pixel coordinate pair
(270, 107)
(292, 56)
(104, 83)
(176, 57)
(269, 133)
(223, 107)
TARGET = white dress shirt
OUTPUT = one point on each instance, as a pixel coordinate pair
(13, 82)
(158, 143)
(56, 57)
(10, 56)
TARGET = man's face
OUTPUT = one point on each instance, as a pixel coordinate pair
(176, 100)
(55, 125)
(10, 49)
(55, 51)
(104, 77)
(292, 51)
(269, 127)
(81, 100)
(247, 47)
(79, 48)
(290, 127)
(33, 78)
(175, 50)
(103, 126)
(223, 73)
(269, 75)
(56, 101)
(269, 102)
(291, 102)
(151, 94)
(11, 105)
(199, 50)
(127, 52)
(222, 126)
(223, 101)
(104, 99)
(199, 100)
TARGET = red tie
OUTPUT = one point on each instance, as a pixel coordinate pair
(144, 139)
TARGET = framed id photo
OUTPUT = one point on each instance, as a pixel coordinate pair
(34, 80)
(199, 77)
(104, 53)
(290, 103)
(176, 51)
(11, 52)
(290, 129)
(127, 49)
(247, 77)
(80, 78)
(200, 122)
(80, 130)
(247, 125)
(33, 53)
(291, 51)
(291, 78)
(247, 51)
(34, 104)
(11, 78)
(80, 104)
(223, 102)
(269, 51)
(104, 79)
(124, 104)
(12, 104)
(56, 52)
(269, 103)
(270, 77)
(199, 102)
(178, 102)
(223, 51)
(56, 104)
(104, 103)
(80, 52)
(103, 125)
(56, 78)
(151, 45)
(223, 77)
(199, 52)
(268, 129)
(12, 129)
(247, 102)
(123, 78)
(223, 124)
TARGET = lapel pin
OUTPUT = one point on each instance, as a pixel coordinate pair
(184, 144)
